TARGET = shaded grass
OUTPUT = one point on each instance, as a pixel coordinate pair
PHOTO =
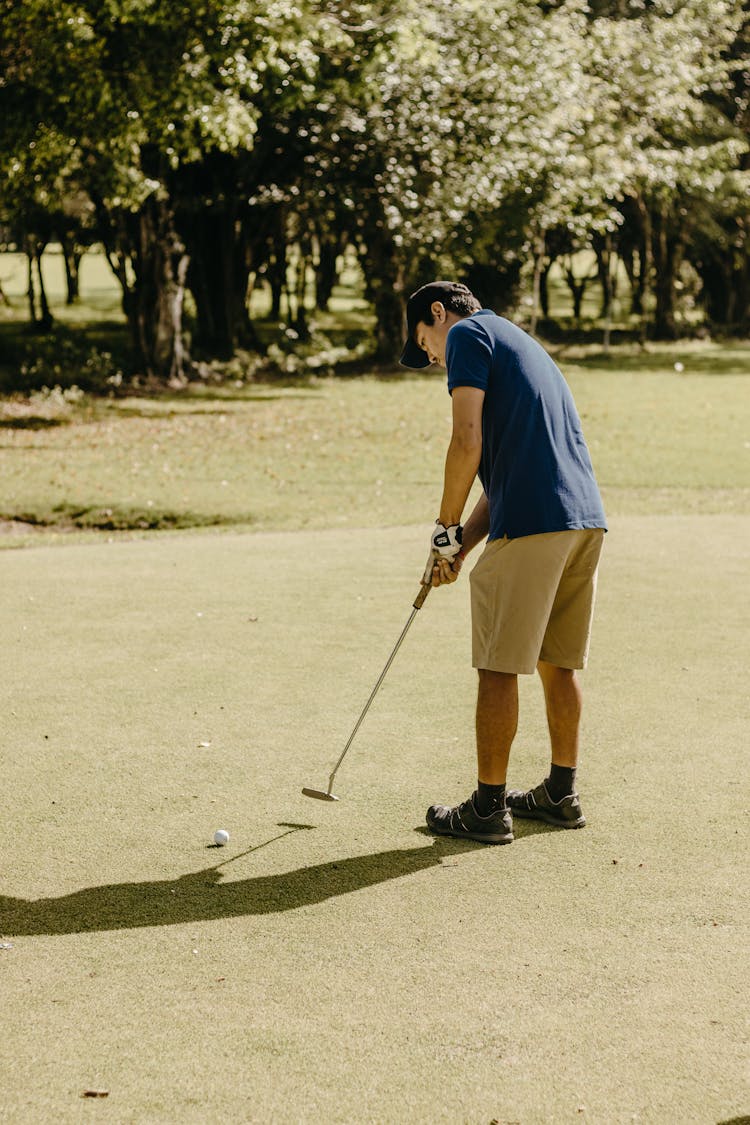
(89, 345)
(65, 517)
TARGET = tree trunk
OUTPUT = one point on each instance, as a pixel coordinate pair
(539, 253)
(45, 317)
(31, 288)
(717, 294)
(386, 289)
(544, 288)
(646, 263)
(383, 269)
(304, 262)
(326, 268)
(635, 278)
(159, 291)
(576, 285)
(741, 287)
(276, 270)
(211, 280)
(41, 318)
(389, 328)
(667, 251)
(242, 264)
(72, 256)
(604, 256)
(724, 271)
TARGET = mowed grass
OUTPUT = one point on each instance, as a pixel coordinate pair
(334, 963)
(361, 452)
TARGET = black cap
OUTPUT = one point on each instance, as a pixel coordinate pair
(418, 309)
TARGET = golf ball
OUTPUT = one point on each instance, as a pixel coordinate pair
(221, 837)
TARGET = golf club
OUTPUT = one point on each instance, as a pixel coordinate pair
(327, 795)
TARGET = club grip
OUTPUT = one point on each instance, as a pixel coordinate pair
(421, 596)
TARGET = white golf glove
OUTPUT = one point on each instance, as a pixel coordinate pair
(445, 543)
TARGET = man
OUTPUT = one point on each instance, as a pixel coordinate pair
(532, 590)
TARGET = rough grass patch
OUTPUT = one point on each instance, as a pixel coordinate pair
(67, 517)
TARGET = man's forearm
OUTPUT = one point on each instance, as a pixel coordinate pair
(461, 465)
(477, 526)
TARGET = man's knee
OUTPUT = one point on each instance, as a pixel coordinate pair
(495, 687)
(553, 673)
(487, 676)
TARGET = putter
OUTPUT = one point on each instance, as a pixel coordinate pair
(327, 794)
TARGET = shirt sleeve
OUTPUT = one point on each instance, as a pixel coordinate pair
(468, 356)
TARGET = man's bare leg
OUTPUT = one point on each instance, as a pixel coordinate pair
(556, 801)
(485, 815)
(496, 724)
(564, 700)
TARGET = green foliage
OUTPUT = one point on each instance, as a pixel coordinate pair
(207, 136)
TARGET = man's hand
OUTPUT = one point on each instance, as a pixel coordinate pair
(440, 572)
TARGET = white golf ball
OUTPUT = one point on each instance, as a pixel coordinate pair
(221, 837)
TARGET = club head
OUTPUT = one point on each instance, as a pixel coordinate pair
(319, 795)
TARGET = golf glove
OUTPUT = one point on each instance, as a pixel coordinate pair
(445, 543)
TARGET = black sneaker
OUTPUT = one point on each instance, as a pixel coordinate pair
(464, 821)
(536, 804)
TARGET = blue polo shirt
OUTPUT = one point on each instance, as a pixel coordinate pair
(535, 467)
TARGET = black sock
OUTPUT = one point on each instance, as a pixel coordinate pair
(561, 782)
(490, 798)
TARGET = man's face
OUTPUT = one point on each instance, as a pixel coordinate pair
(432, 337)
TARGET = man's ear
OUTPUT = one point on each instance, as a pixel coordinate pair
(437, 308)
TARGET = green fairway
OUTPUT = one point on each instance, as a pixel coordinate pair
(334, 963)
(342, 966)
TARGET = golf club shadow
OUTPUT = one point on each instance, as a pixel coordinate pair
(202, 896)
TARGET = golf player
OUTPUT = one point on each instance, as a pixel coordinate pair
(533, 587)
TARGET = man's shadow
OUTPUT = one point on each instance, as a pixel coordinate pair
(202, 896)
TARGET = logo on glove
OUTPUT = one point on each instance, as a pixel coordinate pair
(446, 541)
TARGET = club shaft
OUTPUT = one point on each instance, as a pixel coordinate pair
(375, 690)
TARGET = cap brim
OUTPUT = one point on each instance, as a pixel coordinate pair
(414, 357)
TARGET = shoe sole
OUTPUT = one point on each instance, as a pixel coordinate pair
(482, 838)
(541, 814)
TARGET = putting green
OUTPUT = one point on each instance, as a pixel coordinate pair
(341, 965)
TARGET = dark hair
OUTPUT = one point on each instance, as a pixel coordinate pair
(454, 297)
(463, 304)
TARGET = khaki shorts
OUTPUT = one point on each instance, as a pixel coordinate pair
(533, 599)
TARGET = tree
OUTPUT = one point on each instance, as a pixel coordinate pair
(469, 109)
(212, 143)
(671, 148)
(154, 84)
